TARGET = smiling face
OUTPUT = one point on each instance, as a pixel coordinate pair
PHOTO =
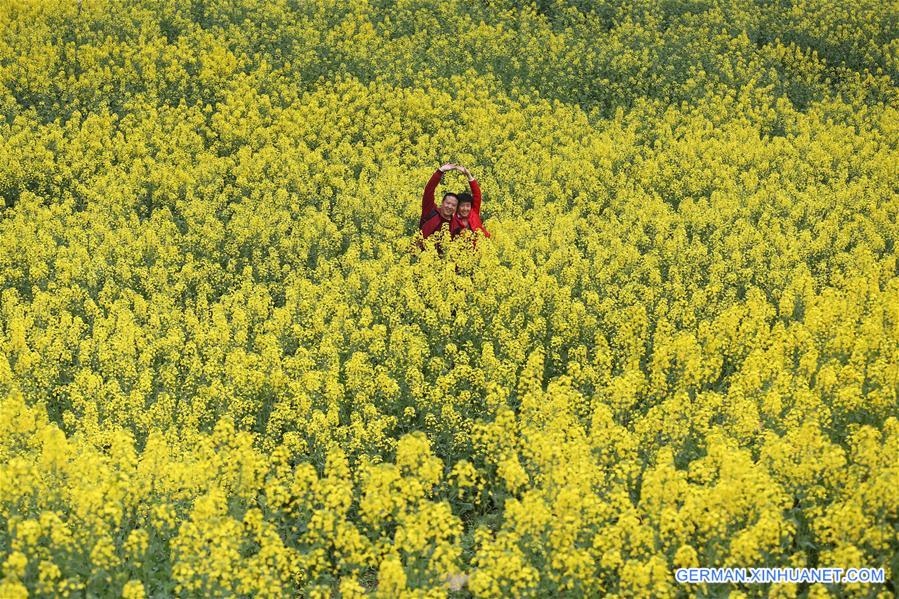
(464, 210)
(448, 206)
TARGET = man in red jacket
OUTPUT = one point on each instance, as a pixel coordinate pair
(433, 218)
(468, 212)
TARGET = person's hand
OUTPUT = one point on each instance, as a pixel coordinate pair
(463, 170)
(449, 166)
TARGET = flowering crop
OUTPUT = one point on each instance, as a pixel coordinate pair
(226, 369)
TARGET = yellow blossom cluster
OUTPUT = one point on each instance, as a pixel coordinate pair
(227, 368)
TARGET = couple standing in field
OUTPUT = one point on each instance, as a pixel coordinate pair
(459, 212)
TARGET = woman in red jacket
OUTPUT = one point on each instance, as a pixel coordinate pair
(468, 209)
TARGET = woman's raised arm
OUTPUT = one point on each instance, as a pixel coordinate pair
(475, 190)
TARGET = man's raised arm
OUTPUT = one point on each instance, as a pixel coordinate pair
(427, 198)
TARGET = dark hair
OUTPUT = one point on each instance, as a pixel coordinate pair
(465, 197)
(449, 193)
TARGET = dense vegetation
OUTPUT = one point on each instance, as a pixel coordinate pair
(224, 370)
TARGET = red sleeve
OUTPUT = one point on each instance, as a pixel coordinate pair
(476, 194)
(427, 198)
(477, 224)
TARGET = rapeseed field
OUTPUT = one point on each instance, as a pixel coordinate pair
(229, 368)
